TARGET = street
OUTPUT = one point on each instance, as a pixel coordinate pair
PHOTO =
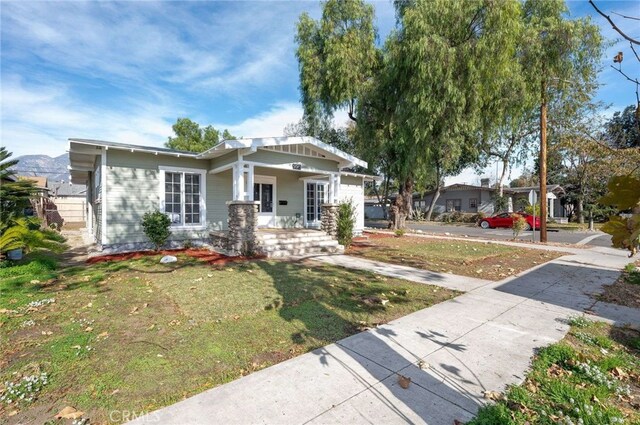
(596, 238)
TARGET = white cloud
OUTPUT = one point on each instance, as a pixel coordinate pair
(39, 120)
(270, 123)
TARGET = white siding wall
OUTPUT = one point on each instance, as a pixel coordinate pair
(353, 188)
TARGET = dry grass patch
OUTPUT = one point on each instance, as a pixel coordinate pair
(475, 259)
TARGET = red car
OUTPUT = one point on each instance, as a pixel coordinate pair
(506, 220)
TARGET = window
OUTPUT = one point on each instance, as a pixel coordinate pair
(454, 205)
(473, 203)
(182, 197)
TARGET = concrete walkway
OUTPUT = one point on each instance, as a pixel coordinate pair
(446, 280)
(453, 351)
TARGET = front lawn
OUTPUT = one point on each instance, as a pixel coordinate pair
(135, 335)
(592, 377)
(475, 259)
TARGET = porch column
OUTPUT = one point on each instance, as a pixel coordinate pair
(238, 182)
(330, 189)
(336, 189)
(551, 207)
(250, 182)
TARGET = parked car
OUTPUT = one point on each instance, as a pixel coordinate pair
(506, 220)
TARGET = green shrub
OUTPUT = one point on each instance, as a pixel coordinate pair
(399, 232)
(477, 217)
(529, 210)
(346, 222)
(157, 227)
(519, 224)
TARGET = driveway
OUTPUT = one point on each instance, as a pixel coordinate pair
(596, 238)
(453, 351)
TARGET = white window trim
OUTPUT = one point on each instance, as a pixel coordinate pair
(203, 195)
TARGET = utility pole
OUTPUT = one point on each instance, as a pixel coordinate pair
(543, 162)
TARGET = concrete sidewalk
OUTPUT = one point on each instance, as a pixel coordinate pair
(453, 351)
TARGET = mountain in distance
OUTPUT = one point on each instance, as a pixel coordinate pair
(54, 169)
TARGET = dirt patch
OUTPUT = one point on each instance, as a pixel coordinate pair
(622, 293)
(205, 255)
(269, 358)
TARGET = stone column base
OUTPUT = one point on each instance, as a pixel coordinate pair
(329, 219)
(243, 224)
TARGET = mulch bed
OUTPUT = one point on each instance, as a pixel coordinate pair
(210, 257)
(622, 293)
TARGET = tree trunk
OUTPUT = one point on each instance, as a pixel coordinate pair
(579, 211)
(505, 164)
(591, 220)
(403, 205)
(432, 205)
(385, 197)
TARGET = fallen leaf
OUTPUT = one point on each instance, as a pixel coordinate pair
(404, 381)
(134, 310)
(145, 305)
(47, 333)
(192, 288)
(492, 395)
(103, 335)
(114, 392)
(616, 371)
(151, 327)
(69, 413)
(88, 329)
(12, 413)
(423, 365)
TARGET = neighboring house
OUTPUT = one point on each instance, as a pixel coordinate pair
(555, 193)
(288, 178)
(467, 198)
(67, 203)
(459, 197)
(373, 208)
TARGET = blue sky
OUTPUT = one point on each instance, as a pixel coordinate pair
(125, 71)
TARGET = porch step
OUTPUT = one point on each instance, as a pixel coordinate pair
(315, 250)
(294, 240)
(297, 242)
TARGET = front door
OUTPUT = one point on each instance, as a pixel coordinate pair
(264, 188)
(315, 196)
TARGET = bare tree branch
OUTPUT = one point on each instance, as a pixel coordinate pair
(635, 81)
(634, 51)
(626, 17)
(613, 25)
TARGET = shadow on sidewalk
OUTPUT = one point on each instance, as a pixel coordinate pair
(434, 400)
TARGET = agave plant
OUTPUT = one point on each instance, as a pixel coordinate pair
(25, 232)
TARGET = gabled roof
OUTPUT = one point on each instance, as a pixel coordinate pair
(270, 142)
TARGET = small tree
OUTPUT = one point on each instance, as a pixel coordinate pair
(519, 224)
(156, 226)
(346, 222)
